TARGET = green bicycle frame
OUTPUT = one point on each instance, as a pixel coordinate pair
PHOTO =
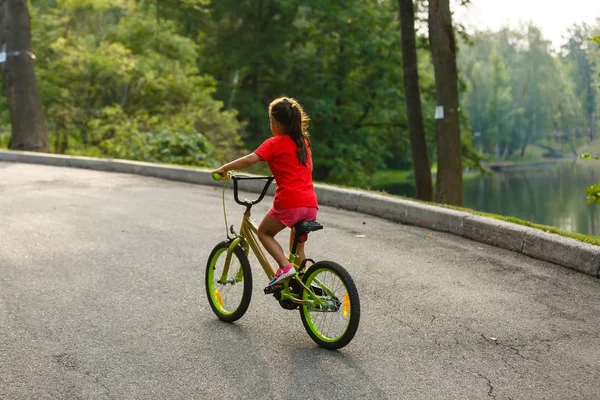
(248, 238)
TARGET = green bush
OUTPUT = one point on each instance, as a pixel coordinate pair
(117, 82)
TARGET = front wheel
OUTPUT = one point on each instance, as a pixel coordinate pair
(331, 322)
(228, 292)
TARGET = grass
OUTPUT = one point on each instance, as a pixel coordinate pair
(400, 177)
(392, 177)
(4, 141)
(595, 240)
(592, 147)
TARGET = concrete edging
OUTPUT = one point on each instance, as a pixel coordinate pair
(567, 252)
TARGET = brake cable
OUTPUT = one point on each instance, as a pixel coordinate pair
(224, 209)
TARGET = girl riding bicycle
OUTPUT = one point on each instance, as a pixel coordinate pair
(289, 157)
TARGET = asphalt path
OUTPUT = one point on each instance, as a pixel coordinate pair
(102, 297)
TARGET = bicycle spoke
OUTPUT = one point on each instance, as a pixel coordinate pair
(329, 319)
(232, 289)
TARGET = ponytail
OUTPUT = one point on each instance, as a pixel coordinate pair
(289, 113)
(297, 134)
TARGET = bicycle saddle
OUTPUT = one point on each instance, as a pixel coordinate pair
(303, 227)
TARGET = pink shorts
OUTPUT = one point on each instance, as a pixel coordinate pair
(290, 216)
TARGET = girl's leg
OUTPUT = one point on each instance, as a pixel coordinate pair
(299, 248)
(269, 227)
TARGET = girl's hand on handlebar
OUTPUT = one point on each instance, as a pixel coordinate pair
(219, 174)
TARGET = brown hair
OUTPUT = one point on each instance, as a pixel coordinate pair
(291, 116)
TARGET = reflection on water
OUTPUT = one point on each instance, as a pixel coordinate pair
(551, 195)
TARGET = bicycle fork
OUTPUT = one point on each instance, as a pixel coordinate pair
(240, 274)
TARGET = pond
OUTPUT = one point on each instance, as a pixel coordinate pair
(553, 195)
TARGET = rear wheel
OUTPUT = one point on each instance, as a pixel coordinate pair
(228, 294)
(333, 323)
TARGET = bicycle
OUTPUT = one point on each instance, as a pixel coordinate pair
(325, 293)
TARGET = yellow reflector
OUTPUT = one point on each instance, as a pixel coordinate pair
(218, 295)
(346, 304)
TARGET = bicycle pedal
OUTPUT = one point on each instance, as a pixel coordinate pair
(274, 288)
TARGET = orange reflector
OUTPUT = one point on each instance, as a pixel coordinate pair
(218, 296)
(346, 304)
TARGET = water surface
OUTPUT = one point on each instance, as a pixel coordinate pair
(553, 195)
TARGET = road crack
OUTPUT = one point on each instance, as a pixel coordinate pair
(489, 382)
(497, 342)
(403, 323)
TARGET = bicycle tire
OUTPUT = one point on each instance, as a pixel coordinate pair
(349, 304)
(218, 292)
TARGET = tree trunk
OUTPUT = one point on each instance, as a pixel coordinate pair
(590, 99)
(525, 143)
(449, 186)
(528, 134)
(593, 125)
(572, 140)
(505, 153)
(413, 102)
(27, 118)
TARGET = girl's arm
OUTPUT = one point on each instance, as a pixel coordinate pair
(240, 163)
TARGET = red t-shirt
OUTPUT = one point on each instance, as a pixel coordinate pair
(294, 180)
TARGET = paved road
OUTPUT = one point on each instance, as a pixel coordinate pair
(102, 297)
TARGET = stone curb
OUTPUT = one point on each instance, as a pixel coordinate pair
(567, 252)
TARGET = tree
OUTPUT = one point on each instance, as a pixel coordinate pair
(584, 71)
(118, 82)
(499, 105)
(519, 93)
(338, 58)
(593, 191)
(449, 185)
(537, 69)
(568, 117)
(28, 129)
(412, 96)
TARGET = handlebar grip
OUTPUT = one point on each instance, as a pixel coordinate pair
(217, 177)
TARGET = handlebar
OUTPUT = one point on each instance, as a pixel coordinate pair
(248, 203)
(235, 178)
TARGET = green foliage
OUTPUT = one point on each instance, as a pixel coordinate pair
(5, 128)
(4, 124)
(148, 138)
(593, 194)
(593, 191)
(118, 83)
(342, 63)
(520, 93)
(471, 158)
(588, 156)
(582, 70)
(4, 139)
(122, 78)
(118, 74)
(500, 101)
